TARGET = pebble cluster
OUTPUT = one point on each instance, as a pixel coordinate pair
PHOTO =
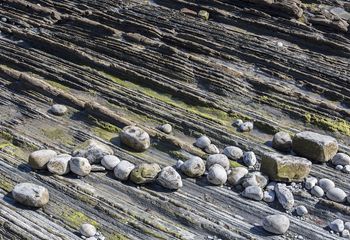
(265, 185)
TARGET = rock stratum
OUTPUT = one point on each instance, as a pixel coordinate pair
(283, 65)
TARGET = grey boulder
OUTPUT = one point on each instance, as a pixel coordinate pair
(58, 109)
(135, 138)
(110, 161)
(59, 165)
(30, 194)
(282, 142)
(285, 168)
(326, 184)
(314, 146)
(220, 159)
(236, 175)
(92, 150)
(166, 128)
(249, 159)
(233, 153)
(255, 179)
(337, 225)
(276, 224)
(39, 159)
(285, 196)
(341, 159)
(123, 170)
(88, 230)
(202, 142)
(336, 195)
(169, 178)
(80, 166)
(193, 167)
(217, 175)
(253, 192)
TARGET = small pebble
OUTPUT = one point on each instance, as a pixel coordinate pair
(58, 109)
(269, 196)
(212, 149)
(310, 182)
(339, 167)
(202, 142)
(237, 123)
(249, 159)
(246, 127)
(179, 164)
(326, 184)
(345, 234)
(337, 225)
(166, 128)
(317, 191)
(346, 169)
(87, 230)
(110, 161)
(301, 210)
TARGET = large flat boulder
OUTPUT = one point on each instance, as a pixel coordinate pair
(314, 146)
(285, 168)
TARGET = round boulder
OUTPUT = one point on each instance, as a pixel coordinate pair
(301, 210)
(220, 159)
(123, 170)
(40, 158)
(80, 166)
(276, 224)
(169, 178)
(326, 184)
(249, 159)
(144, 173)
(337, 225)
(233, 153)
(202, 142)
(110, 161)
(92, 150)
(135, 138)
(236, 175)
(253, 192)
(282, 142)
(217, 175)
(317, 191)
(341, 159)
(30, 195)
(59, 165)
(211, 149)
(336, 195)
(193, 167)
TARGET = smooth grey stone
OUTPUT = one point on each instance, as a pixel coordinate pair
(282, 142)
(58, 109)
(87, 230)
(202, 142)
(30, 194)
(301, 210)
(233, 153)
(236, 175)
(246, 127)
(211, 149)
(169, 178)
(92, 150)
(40, 158)
(249, 159)
(217, 175)
(310, 182)
(218, 159)
(193, 167)
(317, 191)
(80, 166)
(285, 196)
(336, 195)
(326, 184)
(123, 170)
(269, 196)
(59, 165)
(135, 138)
(337, 225)
(166, 128)
(255, 179)
(341, 159)
(253, 192)
(110, 161)
(276, 224)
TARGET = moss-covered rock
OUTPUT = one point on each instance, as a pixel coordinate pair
(285, 168)
(145, 173)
